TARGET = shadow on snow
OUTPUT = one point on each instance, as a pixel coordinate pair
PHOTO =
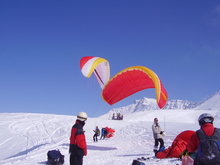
(26, 151)
(90, 147)
(133, 155)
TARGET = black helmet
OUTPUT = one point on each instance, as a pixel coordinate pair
(205, 118)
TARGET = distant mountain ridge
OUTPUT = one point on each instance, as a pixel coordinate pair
(211, 103)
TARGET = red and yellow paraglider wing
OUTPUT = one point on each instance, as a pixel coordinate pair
(130, 81)
(163, 96)
(99, 66)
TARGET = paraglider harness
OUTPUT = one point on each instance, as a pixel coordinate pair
(54, 157)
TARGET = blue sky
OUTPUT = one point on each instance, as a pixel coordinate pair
(42, 42)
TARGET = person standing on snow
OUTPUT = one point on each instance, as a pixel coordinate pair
(158, 135)
(102, 133)
(78, 146)
(97, 133)
(206, 131)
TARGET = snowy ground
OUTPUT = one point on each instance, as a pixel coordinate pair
(26, 138)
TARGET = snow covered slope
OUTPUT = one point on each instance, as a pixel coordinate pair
(26, 138)
(212, 103)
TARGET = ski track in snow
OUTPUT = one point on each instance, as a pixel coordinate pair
(34, 132)
(26, 139)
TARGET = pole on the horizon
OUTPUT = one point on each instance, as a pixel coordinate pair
(164, 123)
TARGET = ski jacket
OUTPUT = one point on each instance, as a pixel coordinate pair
(97, 132)
(103, 131)
(193, 144)
(156, 131)
(77, 139)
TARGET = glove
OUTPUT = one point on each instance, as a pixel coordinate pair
(184, 153)
(161, 132)
(85, 152)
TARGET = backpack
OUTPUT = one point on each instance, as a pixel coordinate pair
(98, 132)
(54, 157)
(209, 147)
(136, 162)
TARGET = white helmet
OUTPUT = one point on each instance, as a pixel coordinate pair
(205, 118)
(82, 116)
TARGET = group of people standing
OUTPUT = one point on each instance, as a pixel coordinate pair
(117, 116)
(78, 146)
(97, 133)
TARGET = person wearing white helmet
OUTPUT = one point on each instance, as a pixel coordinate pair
(78, 146)
(206, 131)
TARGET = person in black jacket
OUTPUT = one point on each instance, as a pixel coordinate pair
(78, 146)
(97, 133)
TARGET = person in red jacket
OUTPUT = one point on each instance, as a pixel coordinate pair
(206, 125)
(78, 146)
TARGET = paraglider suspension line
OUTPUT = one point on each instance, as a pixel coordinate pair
(99, 77)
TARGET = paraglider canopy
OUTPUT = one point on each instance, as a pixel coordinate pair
(178, 145)
(132, 80)
(99, 66)
(109, 132)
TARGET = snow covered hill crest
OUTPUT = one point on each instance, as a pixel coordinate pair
(214, 101)
(145, 104)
